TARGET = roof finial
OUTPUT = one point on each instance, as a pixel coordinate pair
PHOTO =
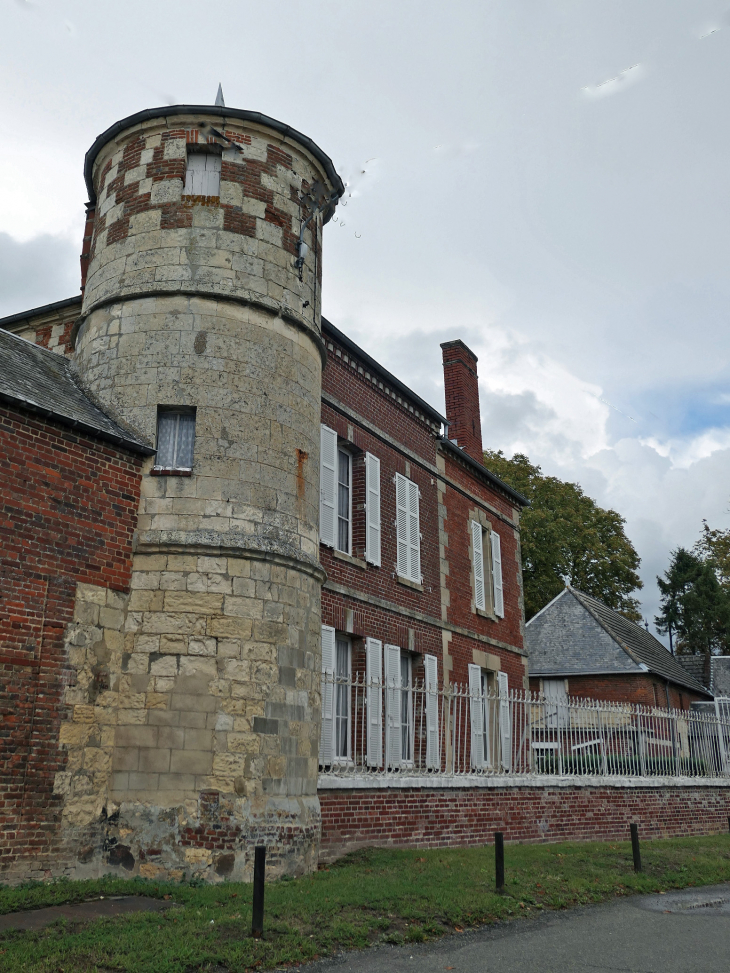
(219, 97)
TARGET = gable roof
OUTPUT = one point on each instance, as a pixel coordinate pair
(563, 641)
(41, 381)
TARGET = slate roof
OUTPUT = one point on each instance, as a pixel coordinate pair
(579, 635)
(42, 381)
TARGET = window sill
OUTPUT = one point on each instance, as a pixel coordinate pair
(485, 614)
(159, 471)
(355, 561)
(408, 583)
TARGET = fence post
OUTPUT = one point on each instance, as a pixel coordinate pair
(499, 860)
(635, 847)
(259, 878)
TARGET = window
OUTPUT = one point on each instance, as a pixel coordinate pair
(175, 439)
(203, 174)
(557, 713)
(483, 568)
(342, 698)
(398, 706)
(484, 712)
(344, 501)
(408, 529)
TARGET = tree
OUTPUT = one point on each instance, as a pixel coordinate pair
(694, 605)
(714, 547)
(566, 538)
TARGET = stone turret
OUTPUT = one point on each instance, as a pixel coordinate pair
(200, 331)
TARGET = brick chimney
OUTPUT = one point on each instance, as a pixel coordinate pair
(462, 397)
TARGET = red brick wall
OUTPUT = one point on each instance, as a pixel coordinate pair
(438, 818)
(68, 511)
(644, 690)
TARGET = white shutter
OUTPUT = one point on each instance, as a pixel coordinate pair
(328, 486)
(327, 736)
(372, 509)
(414, 533)
(203, 174)
(212, 175)
(374, 701)
(392, 706)
(497, 574)
(401, 504)
(504, 720)
(476, 712)
(433, 750)
(478, 557)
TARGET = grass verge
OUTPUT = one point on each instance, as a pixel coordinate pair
(375, 895)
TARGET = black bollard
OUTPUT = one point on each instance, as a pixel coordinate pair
(259, 877)
(499, 859)
(728, 822)
(635, 847)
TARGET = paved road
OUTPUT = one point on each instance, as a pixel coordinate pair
(686, 932)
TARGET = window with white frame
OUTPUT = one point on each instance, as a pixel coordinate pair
(491, 723)
(175, 439)
(344, 501)
(408, 530)
(203, 173)
(335, 738)
(487, 569)
(343, 651)
(398, 707)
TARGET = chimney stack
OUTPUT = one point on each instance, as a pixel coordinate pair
(462, 397)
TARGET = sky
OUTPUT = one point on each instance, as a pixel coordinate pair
(548, 180)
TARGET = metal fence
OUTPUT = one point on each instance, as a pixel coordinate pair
(386, 728)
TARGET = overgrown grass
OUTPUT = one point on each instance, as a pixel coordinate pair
(373, 895)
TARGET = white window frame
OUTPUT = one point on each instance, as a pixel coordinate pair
(405, 533)
(348, 550)
(342, 692)
(166, 413)
(205, 176)
(394, 724)
(479, 717)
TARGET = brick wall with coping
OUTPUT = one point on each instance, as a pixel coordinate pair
(441, 817)
(643, 689)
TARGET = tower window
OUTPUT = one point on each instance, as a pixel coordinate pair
(175, 440)
(203, 174)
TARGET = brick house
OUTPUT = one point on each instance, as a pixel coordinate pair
(579, 647)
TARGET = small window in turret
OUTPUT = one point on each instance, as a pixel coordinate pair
(175, 441)
(203, 173)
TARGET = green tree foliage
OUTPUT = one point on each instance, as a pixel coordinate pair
(566, 538)
(694, 605)
(714, 547)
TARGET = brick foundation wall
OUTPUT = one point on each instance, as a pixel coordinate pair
(68, 512)
(468, 817)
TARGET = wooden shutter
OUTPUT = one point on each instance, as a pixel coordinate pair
(401, 504)
(497, 574)
(476, 712)
(327, 736)
(374, 701)
(414, 533)
(478, 559)
(392, 706)
(328, 486)
(433, 750)
(505, 732)
(372, 509)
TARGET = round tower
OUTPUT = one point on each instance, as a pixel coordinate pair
(200, 330)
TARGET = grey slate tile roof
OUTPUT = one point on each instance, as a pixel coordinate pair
(576, 634)
(41, 381)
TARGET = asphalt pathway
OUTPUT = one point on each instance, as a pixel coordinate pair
(680, 932)
(115, 905)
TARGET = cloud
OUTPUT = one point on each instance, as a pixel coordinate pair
(39, 271)
(612, 86)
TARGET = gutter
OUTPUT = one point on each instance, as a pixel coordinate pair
(36, 312)
(478, 468)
